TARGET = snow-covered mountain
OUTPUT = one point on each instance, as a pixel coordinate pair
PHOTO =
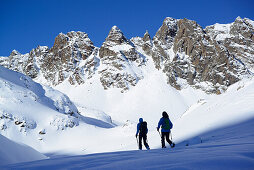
(29, 111)
(214, 57)
(75, 98)
(203, 113)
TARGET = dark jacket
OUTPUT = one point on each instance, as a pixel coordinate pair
(161, 122)
(138, 126)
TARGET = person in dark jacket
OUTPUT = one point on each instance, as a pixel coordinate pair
(165, 125)
(142, 133)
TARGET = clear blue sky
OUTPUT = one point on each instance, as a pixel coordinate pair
(25, 24)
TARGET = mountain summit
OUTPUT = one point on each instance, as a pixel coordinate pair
(210, 59)
(119, 60)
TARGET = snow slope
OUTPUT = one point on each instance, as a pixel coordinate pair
(229, 147)
(94, 131)
(84, 118)
(147, 99)
(12, 152)
(192, 112)
(28, 111)
(234, 106)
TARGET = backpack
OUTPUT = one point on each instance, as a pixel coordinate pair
(143, 128)
(166, 124)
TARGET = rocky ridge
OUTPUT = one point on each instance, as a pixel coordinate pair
(120, 61)
(211, 59)
(72, 58)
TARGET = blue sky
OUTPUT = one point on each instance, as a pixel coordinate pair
(25, 24)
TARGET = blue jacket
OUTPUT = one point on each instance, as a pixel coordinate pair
(161, 122)
(138, 126)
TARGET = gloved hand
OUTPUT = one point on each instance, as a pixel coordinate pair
(158, 129)
(136, 135)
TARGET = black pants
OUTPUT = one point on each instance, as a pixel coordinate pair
(163, 135)
(140, 137)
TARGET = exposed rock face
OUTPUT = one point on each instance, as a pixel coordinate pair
(198, 57)
(163, 41)
(38, 56)
(21, 63)
(211, 59)
(147, 45)
(65, 56)
(71, 58)
(120, 61)
(143, 44)
(238, 38)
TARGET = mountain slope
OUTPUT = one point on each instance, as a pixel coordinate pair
(12, 152)
(102, 92)
(226, 148)
(192, 112)
(28, 111)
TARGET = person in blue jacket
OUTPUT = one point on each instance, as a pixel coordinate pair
(165, 125)
(142, 133)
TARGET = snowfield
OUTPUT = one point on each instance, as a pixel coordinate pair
(12, 152)
(229, 147)
(210, 131)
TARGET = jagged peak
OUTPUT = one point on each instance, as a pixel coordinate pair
(189, 22)
(116, 35)
(71, 37)
(146, 33)
(80, 34)
(248, 19)
(169, 26)
(15, 52)
(115, 29)
(41, 48)
(146, 36)
(249, 22)
(71, 34)
(238, 18)
(169, 21)
(61, 33)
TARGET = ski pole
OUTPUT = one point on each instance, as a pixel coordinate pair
(137, 141)
(159, 133)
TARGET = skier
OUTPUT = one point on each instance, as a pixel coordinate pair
(165, 125)
(142, 132)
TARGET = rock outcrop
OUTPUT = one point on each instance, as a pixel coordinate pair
(72, 58)
(120, 61)
(187, 52)
(211, 59)
(65, 56)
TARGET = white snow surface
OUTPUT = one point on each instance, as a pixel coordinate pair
(229, 147)
(26, 110)
(108, 118)
(12, 152)
(220, 31)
